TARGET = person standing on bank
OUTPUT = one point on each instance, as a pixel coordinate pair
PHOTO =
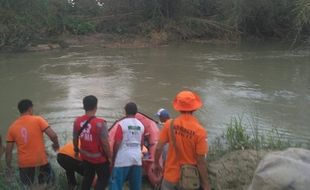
(188, 146)
(163, 116)
(94, 149)
(27, 133)
(127, 154)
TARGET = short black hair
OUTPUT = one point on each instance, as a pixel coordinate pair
(90, 102)
(131, 108)
(24, 105)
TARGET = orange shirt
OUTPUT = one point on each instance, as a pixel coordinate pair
(27, 133)
(68, 149)
(190, 140)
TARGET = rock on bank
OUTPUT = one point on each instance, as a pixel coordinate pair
(234, 171)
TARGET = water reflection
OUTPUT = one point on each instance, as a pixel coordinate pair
(269, 85)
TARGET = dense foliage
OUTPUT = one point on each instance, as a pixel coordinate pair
(23, 22)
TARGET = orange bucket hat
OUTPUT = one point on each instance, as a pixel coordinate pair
(187, 101)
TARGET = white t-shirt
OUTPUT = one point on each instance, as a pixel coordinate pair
(129, 152)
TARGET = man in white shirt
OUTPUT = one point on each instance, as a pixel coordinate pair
(127, 155)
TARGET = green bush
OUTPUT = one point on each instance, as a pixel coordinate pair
(78, 26)
(24, 22)
(16, 32)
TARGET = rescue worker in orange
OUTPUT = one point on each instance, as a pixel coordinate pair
(67, 160)
(191, 142)
(27, 133)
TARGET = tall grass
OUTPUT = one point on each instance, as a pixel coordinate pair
(59, 183)
(241, 135)
(302, 18)
(234, 156)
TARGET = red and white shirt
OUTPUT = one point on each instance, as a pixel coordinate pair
(130, 132)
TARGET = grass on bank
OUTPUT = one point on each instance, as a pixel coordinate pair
(60, 182)
(234, 156)
(242, 135)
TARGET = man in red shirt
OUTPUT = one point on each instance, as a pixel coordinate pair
(94, 149)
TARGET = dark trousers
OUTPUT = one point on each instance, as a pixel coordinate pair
(27, 174)
(103, 174)
(71, 166)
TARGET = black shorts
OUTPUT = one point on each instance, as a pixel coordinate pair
(27, 174)
(71, 166)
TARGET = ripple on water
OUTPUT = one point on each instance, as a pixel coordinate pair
(246, 92)
(220, 57)
(286, 94)
(69, 55)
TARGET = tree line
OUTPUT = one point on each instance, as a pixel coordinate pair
(25, 22)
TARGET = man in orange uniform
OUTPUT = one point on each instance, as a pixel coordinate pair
(67, 160)
(27, 132)
(191, 142)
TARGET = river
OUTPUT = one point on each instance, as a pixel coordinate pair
(266, 85)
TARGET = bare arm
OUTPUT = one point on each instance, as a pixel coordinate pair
(53, 137)
(117, 142)
(104, 138)
(158, 152)
(115, 149)
(106, 148)
(8, 157)
(202, 168)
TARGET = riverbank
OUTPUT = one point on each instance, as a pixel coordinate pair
(117, 41)
(157, 39)
(232, 171)
(232, 159)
